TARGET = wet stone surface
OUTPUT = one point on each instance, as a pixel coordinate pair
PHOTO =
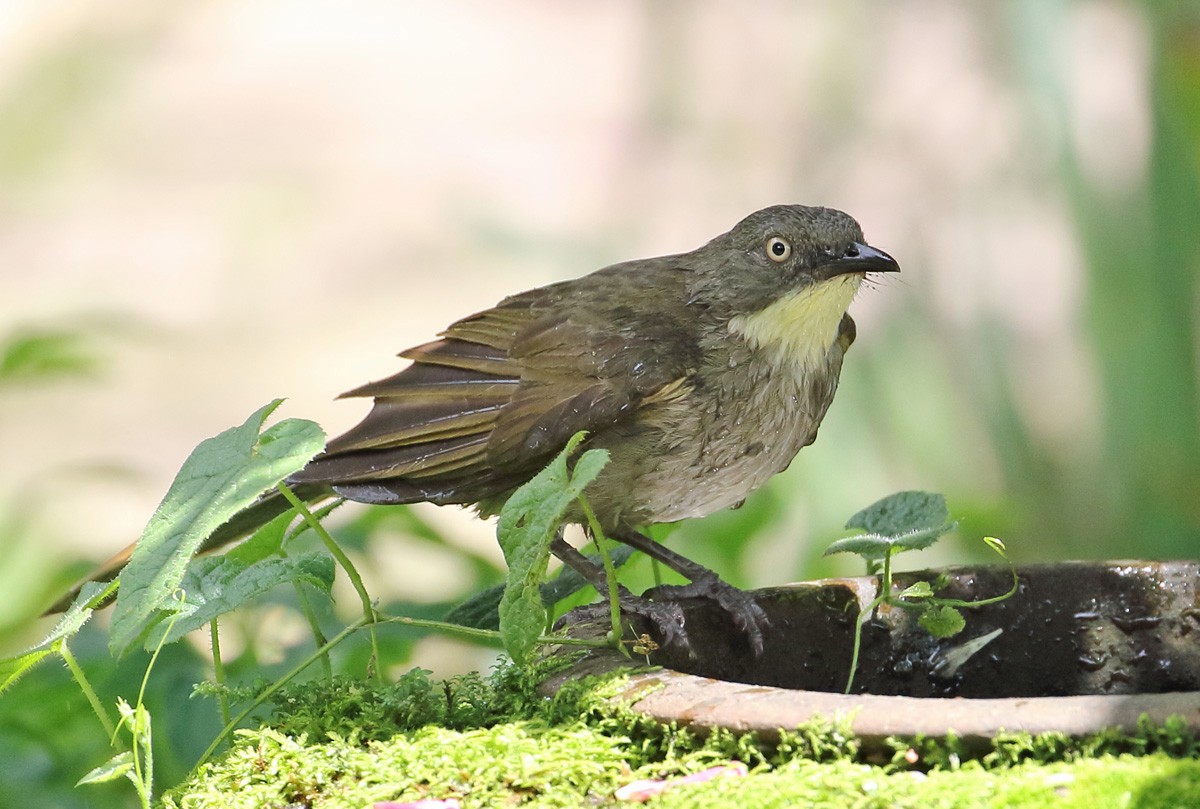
(1071, 629)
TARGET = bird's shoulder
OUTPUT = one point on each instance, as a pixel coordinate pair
(628, 324)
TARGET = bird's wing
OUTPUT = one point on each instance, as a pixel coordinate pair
(493, 399)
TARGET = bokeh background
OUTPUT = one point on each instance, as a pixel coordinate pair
(204, 206)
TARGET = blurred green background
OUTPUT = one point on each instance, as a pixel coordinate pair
(204, 206)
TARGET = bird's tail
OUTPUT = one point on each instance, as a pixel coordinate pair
(239, 526)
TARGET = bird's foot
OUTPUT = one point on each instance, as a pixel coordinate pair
(749, 618)
(664, 617)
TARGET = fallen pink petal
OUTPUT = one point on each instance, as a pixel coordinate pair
(737, 768)
(647, 788)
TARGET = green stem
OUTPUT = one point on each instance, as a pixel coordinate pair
(369, 616)
(610, 573)
(214, 635)
(885, 596)
(1012, 591)
(886, 586)
(86, 687)
(314, 625)
(862, 619)
(142, 747)
(334, 548)
(488, 636)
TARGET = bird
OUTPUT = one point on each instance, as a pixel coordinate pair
(702, 374)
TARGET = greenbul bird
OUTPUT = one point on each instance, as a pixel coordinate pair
(702, 374)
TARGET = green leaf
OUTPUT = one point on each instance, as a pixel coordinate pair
(870, 546)
(942, 621)
(902, 513)
(214, 586)
(116, 767)
(480, 611)
(920, 589)
(222, 476)
(528, 523)
(905, 521)
(46, 353)
(266, 542)
(876, 546)
(997, 545)
(12, 668)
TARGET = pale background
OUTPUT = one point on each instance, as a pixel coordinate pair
(235, 201)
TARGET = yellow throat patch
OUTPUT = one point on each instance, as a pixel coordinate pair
(803, 325)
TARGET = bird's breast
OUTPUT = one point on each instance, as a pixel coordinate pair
(737, 426)
(798, 329)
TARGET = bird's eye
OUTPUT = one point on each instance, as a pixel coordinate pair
(778, 249)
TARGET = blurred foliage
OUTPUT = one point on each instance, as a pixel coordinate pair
(904, 413)
(940, 405)
(1143, 254)
(1137, 496)
(42, 353)
(50, 738)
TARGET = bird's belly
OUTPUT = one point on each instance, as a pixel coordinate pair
(694, 484)
(732, 447)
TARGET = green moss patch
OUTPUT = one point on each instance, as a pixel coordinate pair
(495, 742)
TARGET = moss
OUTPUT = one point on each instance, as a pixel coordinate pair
(496, 742)
(513, 761)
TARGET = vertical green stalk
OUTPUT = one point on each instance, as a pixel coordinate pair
(369, 616)
(610, 573)
(86, 687)
(214, 636)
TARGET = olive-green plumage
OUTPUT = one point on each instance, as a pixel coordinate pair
(702, 374)
(661, 360)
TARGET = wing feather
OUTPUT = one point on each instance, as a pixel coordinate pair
(487, 404)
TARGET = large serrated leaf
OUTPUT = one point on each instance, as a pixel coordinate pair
(902, 513)
(528, 523)
(222, 476)
(217, 585)
(877, 546)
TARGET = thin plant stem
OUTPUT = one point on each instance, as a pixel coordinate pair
(86, 687)
(489, 637)
(369, 616)
(862, 619)
(885, 596)
(214, 635)
(314, 626)
(610, 573)
(142, 747)
(1012, 591)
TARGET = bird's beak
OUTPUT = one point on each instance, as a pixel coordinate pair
(858, 257)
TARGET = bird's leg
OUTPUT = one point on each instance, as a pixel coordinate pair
(745, 612)
(665, 617)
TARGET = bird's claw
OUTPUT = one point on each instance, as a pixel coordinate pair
(659, 606)
(664, 617)
(749, 618)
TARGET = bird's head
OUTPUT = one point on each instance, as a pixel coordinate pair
(785, 275)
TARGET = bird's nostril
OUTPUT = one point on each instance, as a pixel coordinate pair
(852, 251)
